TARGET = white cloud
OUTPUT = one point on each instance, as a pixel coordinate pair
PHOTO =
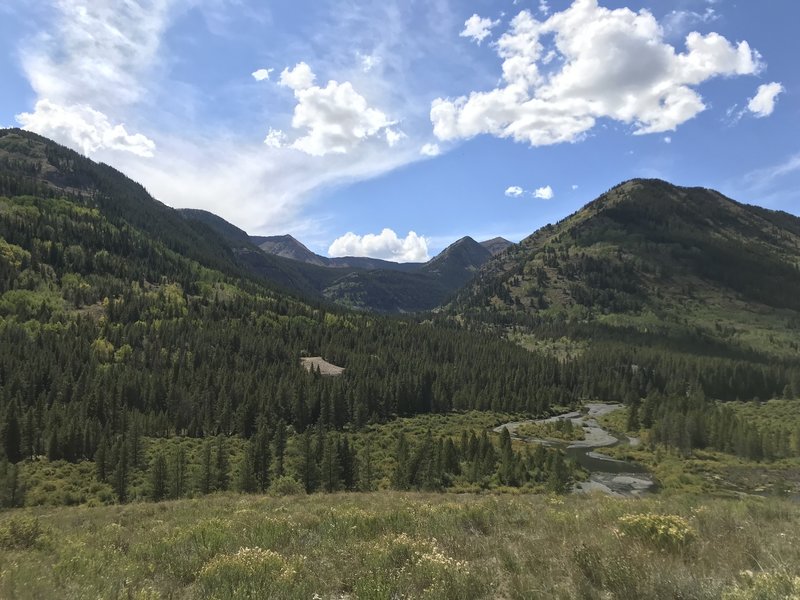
(92, 65)
(614, 64)
(262, 74)
(301, 77)
(514, 191)
(368, 61)
(335, 118)
(385, 245)
(544, 7)
(679, 22)
(108, 55)
(430, 150)
(275, 138)
(84, 128)
(477, 28)
(667, 139)
(763, 103)
(543, 193)
(574, 187)
(393, 137)
(100, 49)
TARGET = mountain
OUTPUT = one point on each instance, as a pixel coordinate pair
(139, 344)
(496, 245)
(288, 247)
(654, 257)
(458, 263)
(425, 288)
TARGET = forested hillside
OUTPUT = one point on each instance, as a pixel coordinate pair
(138, 340)
(118, 323)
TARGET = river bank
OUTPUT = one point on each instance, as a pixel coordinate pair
(606, 475)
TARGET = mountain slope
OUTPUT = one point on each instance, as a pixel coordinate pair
(458, 263)
(288, 247)
(423, 289)
(496, 245)
(650, 254)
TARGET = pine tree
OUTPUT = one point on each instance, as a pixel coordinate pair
(507, 464)
(366, 474)
(12, 436)
(331, 468)
(206, 481)
(400, 478)
(246, 479)
(307, 468)
(101, 466)
(158, 477)
(262, 459)
(280, 449)
(178, 468)
(221, 466)
(121, 467)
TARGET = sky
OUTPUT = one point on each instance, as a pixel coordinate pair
(391, 128)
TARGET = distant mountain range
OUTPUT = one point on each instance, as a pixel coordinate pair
(362, 282)
(645, 258)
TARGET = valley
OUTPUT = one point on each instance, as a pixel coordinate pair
(270, 412)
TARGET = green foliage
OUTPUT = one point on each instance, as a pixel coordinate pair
(671, 533)
(21, 533)
(390, 544)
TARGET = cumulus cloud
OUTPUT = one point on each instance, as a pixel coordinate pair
(275, 138)
(84, 128)
(514, 191)
(262, 74)
(543, 193)
(477, 28)
(763, 103)
(614, 64)
(336, 118)
(92, 65)
(393, 137)
(575, 186)
(430, 150)
(301, 77)
(386, 245)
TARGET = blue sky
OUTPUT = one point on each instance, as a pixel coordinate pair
(391, 128)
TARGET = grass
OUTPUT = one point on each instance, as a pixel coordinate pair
(554, 430)
(392, 545)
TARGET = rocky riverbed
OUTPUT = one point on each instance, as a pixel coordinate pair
(606, 475)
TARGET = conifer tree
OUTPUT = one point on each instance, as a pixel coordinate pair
(12, 436)
(178, 468)
(158, 477)
(330, 466)
(221, 465)
(246, 479)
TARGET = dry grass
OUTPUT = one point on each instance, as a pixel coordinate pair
(393, 545)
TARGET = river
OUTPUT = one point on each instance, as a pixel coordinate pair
(606, 475)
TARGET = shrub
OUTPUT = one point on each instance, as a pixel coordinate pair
(286, 486)
(21, 533)
(765, 586)
(249, 573)
(665, 532)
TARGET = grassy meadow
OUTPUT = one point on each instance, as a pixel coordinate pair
(405, 545)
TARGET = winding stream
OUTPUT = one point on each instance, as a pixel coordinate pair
(607, 475)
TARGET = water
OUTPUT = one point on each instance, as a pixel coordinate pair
(606, 475)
